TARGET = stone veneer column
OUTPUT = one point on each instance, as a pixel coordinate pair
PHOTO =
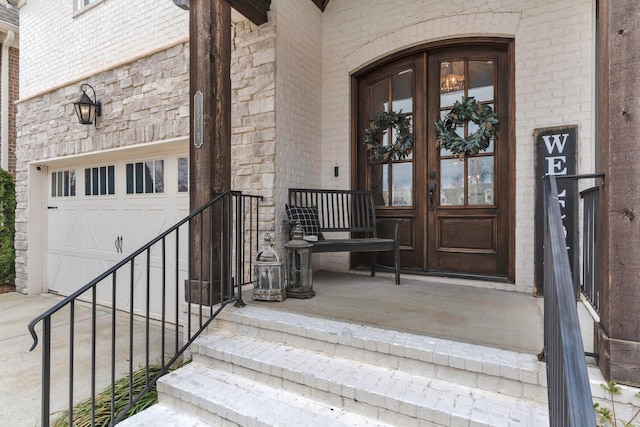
(617, 336)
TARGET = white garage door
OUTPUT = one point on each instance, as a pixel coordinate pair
(98, 213)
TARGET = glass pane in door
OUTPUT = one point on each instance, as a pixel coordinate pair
(403, 184)
(402, 91)
(481, 80)
(480, 180)
(452, 81)
(379, 97)
(452, 182)
(379, 184)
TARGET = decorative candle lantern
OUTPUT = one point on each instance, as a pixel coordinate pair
(269, 284)
(298, 266)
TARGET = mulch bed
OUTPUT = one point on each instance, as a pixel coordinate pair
(7, 287)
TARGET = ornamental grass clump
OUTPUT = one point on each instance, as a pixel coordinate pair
(82, 411)
(608, 417)
(7, 227)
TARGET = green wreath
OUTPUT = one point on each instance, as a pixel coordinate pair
(462, 111)
(397, 150)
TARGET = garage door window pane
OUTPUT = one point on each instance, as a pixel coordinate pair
(111, 178)
(183, 174)
(94, 182)
(87, 182)
(148, 177)
(129, 178)
(103, 180)
(99, 181)
(63, 183)
(145, 177)
(54, 184)
(159, 176)
(139, 178)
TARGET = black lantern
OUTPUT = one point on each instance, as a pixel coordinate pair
(298, 271)
(87, 109)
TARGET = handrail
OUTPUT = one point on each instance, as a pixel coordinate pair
(229, 216)
(569, 393)
(117, 266)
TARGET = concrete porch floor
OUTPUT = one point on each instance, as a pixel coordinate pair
(429, 306)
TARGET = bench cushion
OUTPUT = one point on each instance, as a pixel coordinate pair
(308, 217)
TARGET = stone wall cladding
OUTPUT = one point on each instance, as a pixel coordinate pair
(147, 100)
(253, 133)
(115, 31)
(144, 101)
(554, 57)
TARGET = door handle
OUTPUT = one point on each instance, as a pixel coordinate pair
(432, 190)
(118, 244)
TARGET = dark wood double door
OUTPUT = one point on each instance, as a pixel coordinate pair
(457, 212)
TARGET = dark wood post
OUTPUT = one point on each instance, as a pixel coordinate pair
(210, 146)
(617, 335)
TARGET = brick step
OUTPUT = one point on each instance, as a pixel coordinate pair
(390, 395)
(489, 369)
(161, 415)
(223, 398)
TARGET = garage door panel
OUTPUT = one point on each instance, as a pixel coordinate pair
(156, 220)
(101, 227)
(56, 270)
(64, 232)
(70, 280)
(82, 236)
(71, 237)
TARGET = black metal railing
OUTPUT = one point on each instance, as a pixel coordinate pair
(569, 393)
(590, 246)
(143, 295)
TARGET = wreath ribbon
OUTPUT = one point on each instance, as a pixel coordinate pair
(467, 109)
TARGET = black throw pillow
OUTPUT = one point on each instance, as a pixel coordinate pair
(308, 217)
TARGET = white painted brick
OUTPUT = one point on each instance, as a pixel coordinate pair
(49, 37)
(296, 70)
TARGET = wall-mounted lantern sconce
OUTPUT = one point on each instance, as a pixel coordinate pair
(87, 109)
(182, 4)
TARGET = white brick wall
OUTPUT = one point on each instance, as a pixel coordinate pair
(298, 98)
(292, 87)
(554, 57)
(54, 51)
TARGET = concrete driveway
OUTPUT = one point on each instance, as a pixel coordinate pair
(20, 374)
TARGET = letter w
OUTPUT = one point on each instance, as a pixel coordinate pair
(559, 140)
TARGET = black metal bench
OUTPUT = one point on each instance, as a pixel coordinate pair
(351, 211)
